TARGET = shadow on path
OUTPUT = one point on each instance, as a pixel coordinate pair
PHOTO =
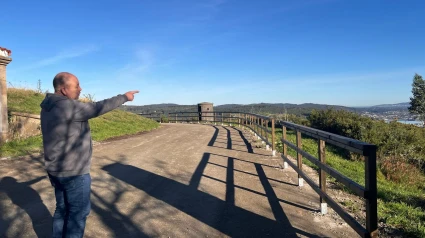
(229, 141)
(247, 144)
(120, 224)
(224, 216)
(22, 195)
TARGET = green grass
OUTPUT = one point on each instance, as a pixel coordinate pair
(26, 146)
(112, 124)
(400, 205)
(24, 100)
(118, 123)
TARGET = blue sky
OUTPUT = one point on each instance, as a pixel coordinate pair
(353, 53)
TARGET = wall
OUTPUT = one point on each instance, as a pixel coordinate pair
(23, 125)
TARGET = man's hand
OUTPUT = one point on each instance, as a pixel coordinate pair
(130, 95)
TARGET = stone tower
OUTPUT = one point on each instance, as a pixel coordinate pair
(205, 110)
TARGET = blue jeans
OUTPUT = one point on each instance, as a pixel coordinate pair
(72, 205)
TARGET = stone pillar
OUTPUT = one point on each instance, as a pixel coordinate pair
(4, 61)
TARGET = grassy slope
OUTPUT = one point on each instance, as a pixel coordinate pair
(113, 124)
(399, 205)
(21, 100)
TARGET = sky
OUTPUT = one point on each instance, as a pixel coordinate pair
(338, 52)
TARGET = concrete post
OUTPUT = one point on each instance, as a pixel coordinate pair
(4, 61)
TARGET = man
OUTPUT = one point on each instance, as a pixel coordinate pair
(68, 150)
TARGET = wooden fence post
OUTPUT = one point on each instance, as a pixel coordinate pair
(256, 126)
(371, 189)
(266, 133)
(285, 147)
(273, 140)
(299, 158)
(322, 177)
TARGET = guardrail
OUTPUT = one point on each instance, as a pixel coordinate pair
(369, 192)
(264, 128)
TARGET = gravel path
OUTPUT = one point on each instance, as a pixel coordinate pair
(179, 180)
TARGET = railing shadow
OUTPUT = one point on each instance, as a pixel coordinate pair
(214, 137)
(224, 216)
(232, 221)
(247, 144)
(229, 139)
(229, 143)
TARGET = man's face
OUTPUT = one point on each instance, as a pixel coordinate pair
(72, 88)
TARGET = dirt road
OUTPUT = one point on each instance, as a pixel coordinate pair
(177, 181)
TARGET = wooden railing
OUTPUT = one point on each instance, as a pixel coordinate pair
(264, 128)
(369, 192)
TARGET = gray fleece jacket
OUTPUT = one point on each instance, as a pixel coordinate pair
(66, 132)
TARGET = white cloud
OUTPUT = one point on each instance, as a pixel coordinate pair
(64, 55)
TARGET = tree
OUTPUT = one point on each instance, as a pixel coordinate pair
(417, 102)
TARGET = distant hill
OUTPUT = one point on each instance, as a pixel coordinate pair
(403, 104)
(268, 108)
(164, 108)
(401, 107)
(275, 108)
(259, 108)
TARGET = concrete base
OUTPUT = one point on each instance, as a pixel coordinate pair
(273, 153)
(324, 208)
(300, 182)
(285, 165)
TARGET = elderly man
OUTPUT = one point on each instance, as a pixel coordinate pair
(68, 150)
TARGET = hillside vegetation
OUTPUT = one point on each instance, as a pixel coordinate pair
(401, 159)
(23, 100)
(112, 124)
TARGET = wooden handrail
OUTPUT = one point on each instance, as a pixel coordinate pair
(340, 141)
(369, 192)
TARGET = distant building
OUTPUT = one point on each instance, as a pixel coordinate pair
(205, 110)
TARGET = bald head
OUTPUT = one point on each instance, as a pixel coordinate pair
(61, 79)
(67, 85)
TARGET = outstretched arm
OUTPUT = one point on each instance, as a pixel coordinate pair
(85, 111)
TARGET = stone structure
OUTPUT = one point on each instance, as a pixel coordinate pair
(23, 125)
(4, 61)
(205, 110)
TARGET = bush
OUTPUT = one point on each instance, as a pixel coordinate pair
(394, 139)
(164, 119)
(398, 170)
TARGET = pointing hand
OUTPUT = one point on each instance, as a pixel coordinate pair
(130, 95)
